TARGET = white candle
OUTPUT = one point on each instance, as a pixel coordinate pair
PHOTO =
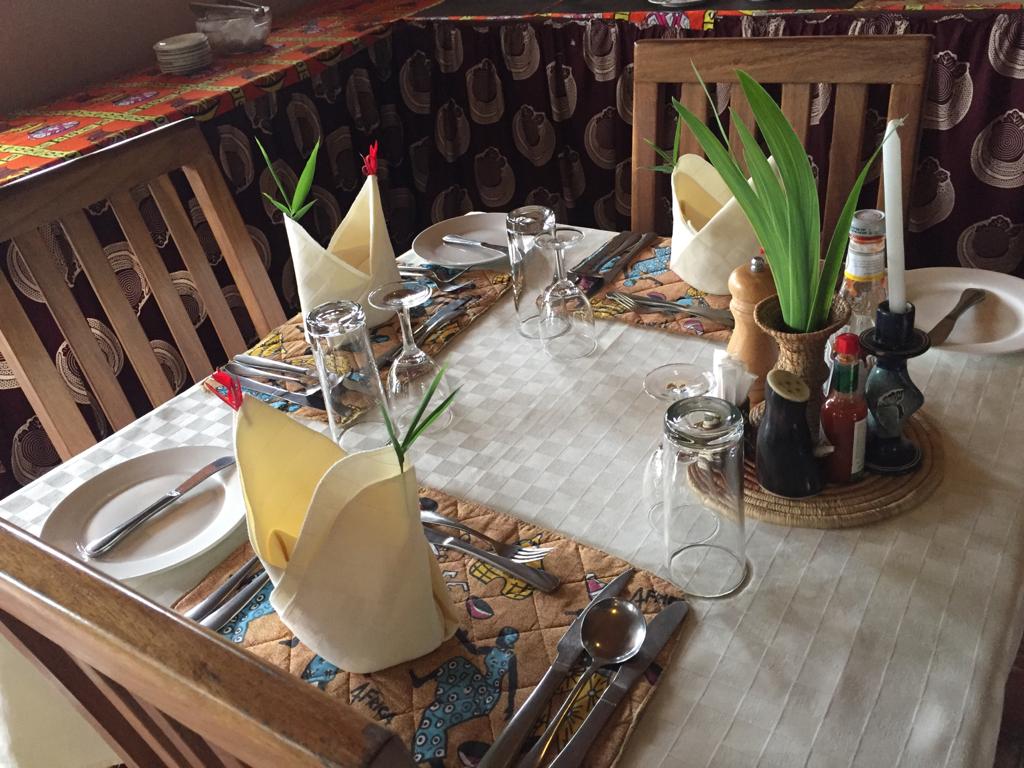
(892, 177)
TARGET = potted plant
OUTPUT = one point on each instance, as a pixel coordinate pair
(782, 206)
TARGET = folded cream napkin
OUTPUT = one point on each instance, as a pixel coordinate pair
(340, 536)
(711, 235)
(358, 259)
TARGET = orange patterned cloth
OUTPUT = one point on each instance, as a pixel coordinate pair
(302, 48)
(449, 705)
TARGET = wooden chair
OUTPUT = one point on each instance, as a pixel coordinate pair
(851, 63)
(161, 690)
(58, 196)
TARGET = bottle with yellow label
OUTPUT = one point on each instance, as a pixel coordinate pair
(864, 284)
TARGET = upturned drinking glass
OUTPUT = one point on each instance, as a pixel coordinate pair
(532, 268)
(349, 379)
(702, 466)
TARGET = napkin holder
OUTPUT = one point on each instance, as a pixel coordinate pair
(340, 537)
(358, 258)
(711, 235)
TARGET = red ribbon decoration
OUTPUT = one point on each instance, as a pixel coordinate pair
(233, 396)
(370, 161)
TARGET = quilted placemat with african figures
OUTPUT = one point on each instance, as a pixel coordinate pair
(648, 274)
(449, 706)
(480, 290)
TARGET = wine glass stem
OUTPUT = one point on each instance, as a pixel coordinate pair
(408, 342)
(560, 263)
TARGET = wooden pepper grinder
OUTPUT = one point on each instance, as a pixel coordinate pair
(749, 284)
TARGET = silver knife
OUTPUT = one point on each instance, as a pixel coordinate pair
(240, 369)
(315, 400)
(269, 364)
(545, 581)
(103, 544)
(227, 611)
(505, 749)
(659, 632)
(206, 606)
(469, 242)
(944, 327)
(592, 264)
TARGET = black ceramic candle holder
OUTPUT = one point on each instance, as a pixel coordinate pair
(892, 397)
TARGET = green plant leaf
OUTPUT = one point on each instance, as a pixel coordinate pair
(427, 397)
(410, 438)
(279, 205)
(395, 443)
(662, 168)
(664, 154)
(801, 197)
(273, 173)
(306, 179)
(303, 210)
(825, 288)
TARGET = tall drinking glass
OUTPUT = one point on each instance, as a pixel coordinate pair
(349, 379)
(532, 268)
(702, 460)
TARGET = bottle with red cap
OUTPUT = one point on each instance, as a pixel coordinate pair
(844, 415)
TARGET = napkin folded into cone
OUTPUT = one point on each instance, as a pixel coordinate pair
(711, 235)
(340, 536)
(358, 258)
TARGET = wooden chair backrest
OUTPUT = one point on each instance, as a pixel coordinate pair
(851, 63)
(57, 197)
(161, 690)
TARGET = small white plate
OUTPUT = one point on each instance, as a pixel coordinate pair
(486, 227)
(200, 520)
(186, 43)
(995, 326)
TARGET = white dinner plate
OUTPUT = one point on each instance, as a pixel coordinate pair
(200, 520)
(486, 227)
(994, 326)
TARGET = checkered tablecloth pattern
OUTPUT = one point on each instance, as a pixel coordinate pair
(880, 646)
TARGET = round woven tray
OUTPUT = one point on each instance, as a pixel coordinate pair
(876, 497)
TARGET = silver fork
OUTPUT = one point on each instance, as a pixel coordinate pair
(514, 552)
(633, 303)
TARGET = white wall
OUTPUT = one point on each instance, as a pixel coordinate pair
(52, 48)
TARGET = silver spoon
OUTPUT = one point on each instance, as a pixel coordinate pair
(612, 633)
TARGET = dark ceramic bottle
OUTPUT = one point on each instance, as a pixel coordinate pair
(786, 465)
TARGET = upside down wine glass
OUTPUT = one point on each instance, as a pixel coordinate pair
(566, 327)
(413, 370)
(668, 384)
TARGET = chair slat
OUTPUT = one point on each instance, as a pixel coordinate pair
(235, 243)
(160, 284)
(695, 100)
(739, 112)
(192, 254)
(119, 312)
(72, 323)
(905, 102)
(137, 718)
(796, 106)
(42, 386)
(645, 123)
(57, 666)
(844, 160)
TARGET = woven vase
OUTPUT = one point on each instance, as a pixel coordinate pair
(802, 353)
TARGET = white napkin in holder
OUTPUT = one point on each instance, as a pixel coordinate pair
(711, 235)
(340, 536)
(358, 258)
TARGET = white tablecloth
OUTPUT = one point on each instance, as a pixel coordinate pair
(887, 645)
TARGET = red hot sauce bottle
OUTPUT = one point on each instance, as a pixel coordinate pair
(844, 414)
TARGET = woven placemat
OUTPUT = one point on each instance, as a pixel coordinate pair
(648, 274)
(287, 343)
(875, 497)
(449, 706)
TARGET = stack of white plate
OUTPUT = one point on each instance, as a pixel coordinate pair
(182, 54)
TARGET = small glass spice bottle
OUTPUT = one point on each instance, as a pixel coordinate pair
(844, 415)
